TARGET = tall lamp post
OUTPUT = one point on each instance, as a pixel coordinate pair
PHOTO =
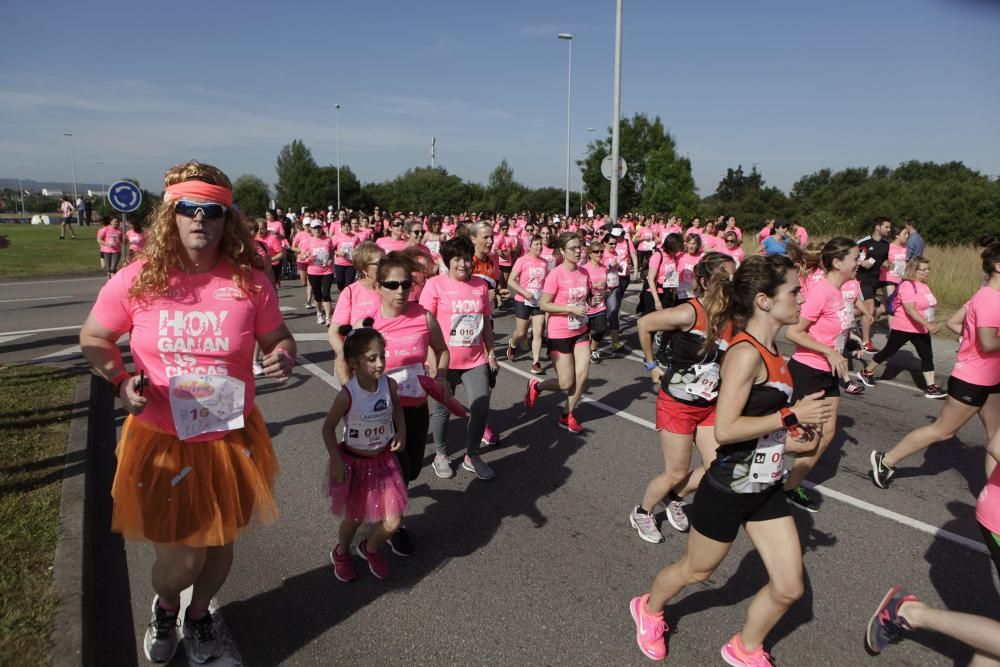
(617, 114)
(338, 156)
(104, 188)
(20, 187)
(569, 97)
(72, 155)
(582, 184)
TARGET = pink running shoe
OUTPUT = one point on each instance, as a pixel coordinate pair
(489, 437)
(376, 561)
(649, 629)
(737, 655)
(570, 423)
(532, 395)
(343, 565)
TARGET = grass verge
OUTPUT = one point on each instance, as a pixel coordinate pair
(35, 250)
(36, 403)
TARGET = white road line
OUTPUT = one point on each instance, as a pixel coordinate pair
(11, 339)
(35, 331)
(318, 372)
(52, 282)
(301, 337)
(69, 353)
(37, 298)
(933, 531)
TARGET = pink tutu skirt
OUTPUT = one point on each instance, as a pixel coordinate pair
(373, 490)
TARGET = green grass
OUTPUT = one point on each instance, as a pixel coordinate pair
(35, 250)
(35, 407)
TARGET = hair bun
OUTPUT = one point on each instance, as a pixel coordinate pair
(368, 321)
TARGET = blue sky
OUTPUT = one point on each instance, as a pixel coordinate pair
(790, 86)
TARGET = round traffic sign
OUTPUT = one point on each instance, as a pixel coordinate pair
(606, 167)
(125, 196)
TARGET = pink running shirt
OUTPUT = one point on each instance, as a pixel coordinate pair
(598, 288)
(136, 241)
(407, 341)
(685, 271)
(389, 245)
(531, 272)
(893, 273)
(320, 252)
(831, 318)
(988, 504)
(972, 364)
(919, 294)
(664, 269)
(273, 244)
(110, 238)
(208, 330)
(567, 288)
(461, 309)
(344, 243)
(355, 303)
(299, 244)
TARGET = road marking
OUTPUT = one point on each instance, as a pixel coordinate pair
(10, 339)
(318, 372)
(933, 531)
(69, 353)
(51, 282)
(34, 331)
(37, 298)
(302, 337)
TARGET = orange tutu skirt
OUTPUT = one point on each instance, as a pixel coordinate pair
(200, 494)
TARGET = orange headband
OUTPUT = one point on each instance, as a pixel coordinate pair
(201, 190)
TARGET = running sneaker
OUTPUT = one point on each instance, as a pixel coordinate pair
(475, 464)
(402, 544)
(532, 395)
(677, 517)
(853, 388)
(886, 625)
(489, 437)
(867, 377)
(203, 642)
(934, 391)
(569, 422)
(511, 353)
(258, 370)
(882, 472)
(536, 368)
(319, 317)
(801, 499)
(377, 563)
(868, 347)
(649, 629)
(595, 356)
(617, 347)
(343, 565)
(442, 467)
(160, 642)
(737, 655)
(309, 304)
(645, 524)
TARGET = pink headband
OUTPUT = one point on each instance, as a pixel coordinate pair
(201, 190)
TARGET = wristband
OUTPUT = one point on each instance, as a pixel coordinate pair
(117, 380)
(650, 365)
(288, 355)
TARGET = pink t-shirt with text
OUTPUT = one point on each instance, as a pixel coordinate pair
(598, 287)
(663, 267)
(462, 310)
(110, 238)
(972, 364)
(344, 243)
(831, 318)
(567, 288)
(136, 241)
(893, 272)
(389, 245)
(207, 326)
(273, 245)
(355, 303)
(302, 256)
(531, 272)
(918, 294)
(320, 253)
(407, 341)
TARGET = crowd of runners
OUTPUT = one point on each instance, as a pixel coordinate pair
(408, 303)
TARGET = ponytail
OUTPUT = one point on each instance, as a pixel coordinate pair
(357, 340)
(717, 302)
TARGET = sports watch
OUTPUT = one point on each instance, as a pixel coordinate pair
(788, 419)
(650, 365)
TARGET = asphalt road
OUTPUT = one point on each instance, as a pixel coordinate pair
(538, 565)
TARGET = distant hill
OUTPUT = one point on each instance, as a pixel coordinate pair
(35, 186)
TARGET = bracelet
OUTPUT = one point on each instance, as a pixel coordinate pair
(288, 355)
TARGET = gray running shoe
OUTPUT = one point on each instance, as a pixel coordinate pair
(676, 516)
(882, 472)
(645, 525)
(204, 643)
(477, 465)
(160, 642)
(442, 466)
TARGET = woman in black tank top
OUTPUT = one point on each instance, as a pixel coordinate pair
(754, 428)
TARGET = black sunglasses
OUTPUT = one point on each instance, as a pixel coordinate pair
(189, 209)
(393, 285)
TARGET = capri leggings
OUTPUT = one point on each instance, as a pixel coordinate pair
(614, 303)
(345, 275)
(411, 457)
(321, 285)
(477, 394)
(921, 341)
(598, 326)
(111, 260)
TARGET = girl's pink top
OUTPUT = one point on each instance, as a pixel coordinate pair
(893, 273)
(320, 253)
(273, 244)
(531, 272)
(831, 319)
(207, 326)
(551, 258)
(646, 239)
(567, 288)
(344, 243)
(988, 504)
(363, 234)
(623, 252)
(710, 242)
(972, 364)
(662, 266)
(302, 256)
(355, 303)
(389, 245)
(407, 341)
(814, 277)
(504, 247)
(462, 310)
(598, 287)
(918, 294)
(851, 291)
(276, 228)
(110, 238)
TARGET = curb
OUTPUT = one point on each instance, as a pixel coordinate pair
(70, 563)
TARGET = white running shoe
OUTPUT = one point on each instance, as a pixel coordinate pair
(645, 524)
(676, 516)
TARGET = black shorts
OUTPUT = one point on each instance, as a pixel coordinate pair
(973, 395)
(523, 311)
(867, 290)
(992, 545)
(807, 380)
(718, 514)
(566, 345)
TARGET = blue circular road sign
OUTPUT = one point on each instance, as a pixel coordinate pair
(125, 196)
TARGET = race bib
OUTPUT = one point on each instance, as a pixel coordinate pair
(597, 298)
(899, 267)
(671, 280)
(434, 247)
(706, 382)
(536, 295)
(931, 302)
(347, 249)
(646, 246)
(612, 281)
(406, 379)
(369, 436)
(320, 256)
(550, 262)
(767, 464)
(574, 322)
(205, 404)
(466, 329)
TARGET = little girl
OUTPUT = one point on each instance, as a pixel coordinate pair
(365, 483)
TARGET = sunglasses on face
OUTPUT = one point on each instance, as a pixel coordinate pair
(416, 232)
(393, 285)
(189, 209)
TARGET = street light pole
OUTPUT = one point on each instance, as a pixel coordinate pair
(20, 187)
(72, 154)
(104, 188)
(617, 114)
(582, 184)
(569, 98)
(338, 157)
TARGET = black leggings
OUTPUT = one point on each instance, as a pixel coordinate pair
(992, 545)
(111, 260)
(598, 326)
(897, 339)
(345, 275)
(321, 285)
(411, 457)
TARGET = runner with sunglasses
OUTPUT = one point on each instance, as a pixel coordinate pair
(527, 279)
(662, 279)
(357, 301)
(597, 311)
(395, 240)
